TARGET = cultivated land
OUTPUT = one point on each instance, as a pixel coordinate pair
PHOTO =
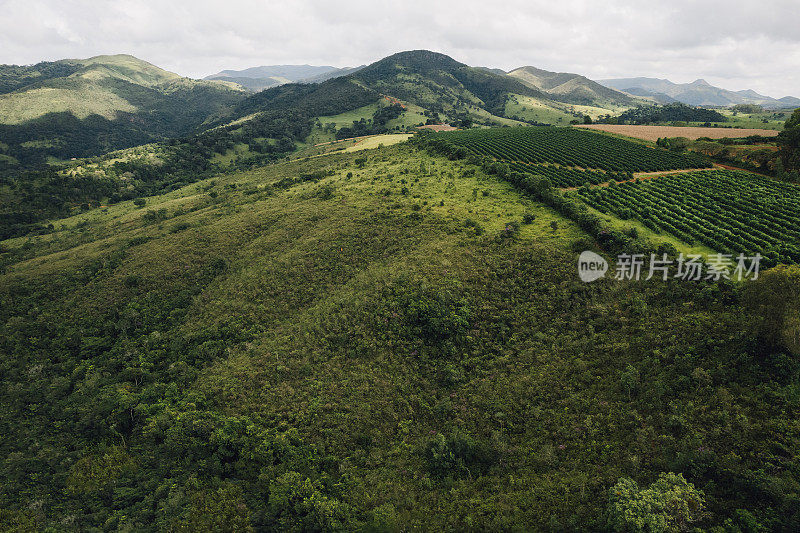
(653, 133)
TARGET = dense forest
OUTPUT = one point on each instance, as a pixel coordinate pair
(674, 112)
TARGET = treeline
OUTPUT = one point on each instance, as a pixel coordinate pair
(789, 140)
(13, 77)
(329, 98)
(374, 126)
(676, 112)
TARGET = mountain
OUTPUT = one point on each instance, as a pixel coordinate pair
(572, 88)
(698, 92)
(82, 107)
(439, 86)
(336, 73)
(659, 98)
(438, 81)
(264, 77)
(790, 101)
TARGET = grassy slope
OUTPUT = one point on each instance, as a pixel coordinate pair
(314, 279)
(81, 99)
(550, 111)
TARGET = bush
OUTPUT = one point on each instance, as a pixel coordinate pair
(458, 455)
(669, 504)
(774, 301)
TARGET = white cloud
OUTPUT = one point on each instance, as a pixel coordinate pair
(734, 44)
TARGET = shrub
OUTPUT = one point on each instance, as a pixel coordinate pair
(774, 301)
(458, 455)
(669, 504)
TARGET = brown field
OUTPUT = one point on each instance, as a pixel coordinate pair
(437, 127)
(653, 133)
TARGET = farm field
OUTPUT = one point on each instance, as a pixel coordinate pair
(565, 156)
(653, 133)
(376, 141)
(730, 211)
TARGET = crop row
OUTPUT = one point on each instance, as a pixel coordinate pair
(564, 177)
(730, 211)
(569, 147)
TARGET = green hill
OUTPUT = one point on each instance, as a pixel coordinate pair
(571, 88)
(447, 90)
(78, 108)
(375, 341)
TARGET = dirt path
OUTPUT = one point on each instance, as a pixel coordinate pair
(650, 175)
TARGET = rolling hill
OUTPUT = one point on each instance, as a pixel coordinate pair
(437, 83)
(571, 88)
(78, 108)
(259, 78)
(698, 92)
(377, 341)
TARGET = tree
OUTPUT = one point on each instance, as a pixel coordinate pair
(789, 139)
(774, 300)
(669, 504)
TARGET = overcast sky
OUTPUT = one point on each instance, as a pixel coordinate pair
(733, 44)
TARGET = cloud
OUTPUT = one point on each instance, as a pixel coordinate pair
(733, 44)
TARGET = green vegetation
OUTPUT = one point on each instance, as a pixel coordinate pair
(675, 112)
(789, 139)
(730, 211)
(756, 153)
(376, 341)
(771, 120)
(566, 147)
(670, 504)
(76, 109)
(541, 111)
(220, 332)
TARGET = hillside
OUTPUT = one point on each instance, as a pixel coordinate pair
(78, 108)
(436, 86)
(571, 88)
(698, 92)
(259, 78)
(378, 341)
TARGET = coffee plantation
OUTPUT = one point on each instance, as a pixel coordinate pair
(730, 211)
(566, 147)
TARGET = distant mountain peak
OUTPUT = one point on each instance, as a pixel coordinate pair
(569, 87)
(698, 92)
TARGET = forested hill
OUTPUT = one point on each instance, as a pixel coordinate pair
(81, 108)
(434, 81)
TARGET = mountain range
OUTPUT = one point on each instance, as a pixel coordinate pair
(698, 93)
(264, 77)
(560, 86)
(55, 111)
(572, 87)
(79, 108)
